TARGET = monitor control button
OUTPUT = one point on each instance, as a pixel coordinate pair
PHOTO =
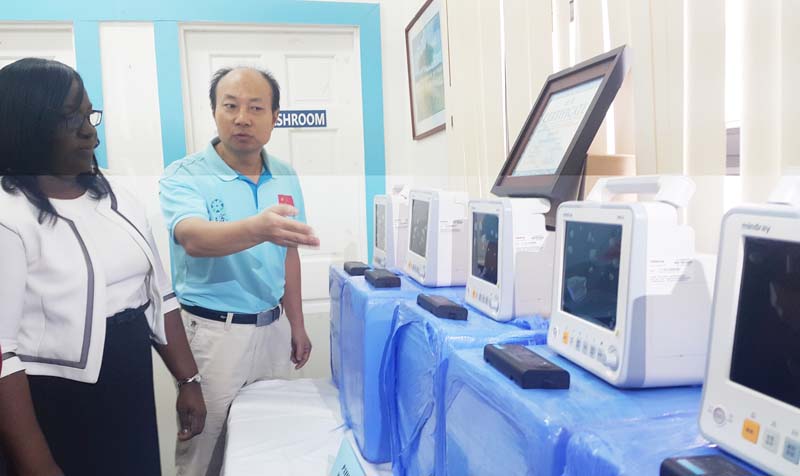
(771, 440)
(791, 450)
(612, 358)
(751, 430)
(720, 415)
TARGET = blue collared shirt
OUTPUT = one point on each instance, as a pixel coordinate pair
(202, 185)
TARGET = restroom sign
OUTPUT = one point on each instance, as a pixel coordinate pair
(315, 118)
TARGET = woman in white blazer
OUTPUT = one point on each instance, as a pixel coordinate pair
(83, 294)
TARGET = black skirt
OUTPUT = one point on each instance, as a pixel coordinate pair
(106, 428)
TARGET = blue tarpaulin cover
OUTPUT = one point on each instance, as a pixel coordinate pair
(496, 428)
(631, 449)
(637, 448)
(419, 348)
(336, 279)
(365, 327)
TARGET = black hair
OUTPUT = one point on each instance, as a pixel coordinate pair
(222, 72)
(33, 94)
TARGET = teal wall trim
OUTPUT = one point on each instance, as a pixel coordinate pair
(372, 98)
(87, 57)
(170, 95)
(243, 11)
(166, 16)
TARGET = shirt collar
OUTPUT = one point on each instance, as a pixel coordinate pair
(224, 171)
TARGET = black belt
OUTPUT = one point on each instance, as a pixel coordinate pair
(128, 314)
(261, 319)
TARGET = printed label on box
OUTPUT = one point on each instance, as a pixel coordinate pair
(664, 273)
(346, 463)
(529, 243)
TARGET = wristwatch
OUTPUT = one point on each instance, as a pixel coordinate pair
(194, 378)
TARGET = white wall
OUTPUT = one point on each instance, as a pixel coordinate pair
(133, 143)
(419, 163)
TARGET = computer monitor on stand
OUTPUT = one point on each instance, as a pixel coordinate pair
(511, 268)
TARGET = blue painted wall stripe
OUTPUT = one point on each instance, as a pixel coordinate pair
(372, 97)
(87, 57)
(166, 15)
(244, 11)
(170, 96)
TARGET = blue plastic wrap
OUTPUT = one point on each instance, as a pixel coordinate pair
(419, 348)
(633, 449)
(336, 279)
(496, 428)
(453, 293)
(365, 327)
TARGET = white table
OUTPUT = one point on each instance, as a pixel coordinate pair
(288, 428)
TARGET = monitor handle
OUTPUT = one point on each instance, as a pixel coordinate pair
(788, 191)
(401, 189)
(540, 205)
(675, 190)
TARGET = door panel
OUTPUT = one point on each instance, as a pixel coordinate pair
(41, 40)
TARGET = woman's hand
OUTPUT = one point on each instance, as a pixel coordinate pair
(179, 360)
(191, 411)
(21, 438)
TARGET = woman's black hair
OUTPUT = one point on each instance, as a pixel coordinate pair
(32, 95)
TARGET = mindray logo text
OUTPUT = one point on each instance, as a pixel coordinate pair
(756, 227)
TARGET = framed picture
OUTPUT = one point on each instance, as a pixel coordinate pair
(424, 57)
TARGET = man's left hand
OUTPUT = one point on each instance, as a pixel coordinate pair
(301, 348)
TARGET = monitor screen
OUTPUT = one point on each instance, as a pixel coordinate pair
(766, 344)
(485, 233)
(419, 226)
(380, 226)
(554, 132)
(548, 158)
(591, 271)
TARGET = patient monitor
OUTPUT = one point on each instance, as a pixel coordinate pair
(510, 257)
(751, 398)
(631, 298)
(391, 229)
(437, 238)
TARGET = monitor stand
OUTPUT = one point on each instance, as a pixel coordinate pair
(569, 188)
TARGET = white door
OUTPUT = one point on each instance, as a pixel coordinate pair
(40, 40)
(317, 68)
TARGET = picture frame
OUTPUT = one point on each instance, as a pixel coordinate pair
(425, 62)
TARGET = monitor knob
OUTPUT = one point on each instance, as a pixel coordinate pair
(611, 358)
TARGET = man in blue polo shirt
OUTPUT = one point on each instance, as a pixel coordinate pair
(236, 217)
